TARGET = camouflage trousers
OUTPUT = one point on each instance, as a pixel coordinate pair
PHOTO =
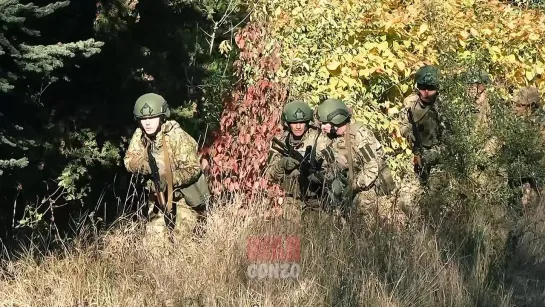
(184, 219)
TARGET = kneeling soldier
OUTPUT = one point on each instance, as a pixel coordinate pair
(290, 148)
(350, 151)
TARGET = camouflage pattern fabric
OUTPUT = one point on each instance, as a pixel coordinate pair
(289, 180)
(430, 124)
(365, 161)
(429, 121)
(482, 108)
(184, 159)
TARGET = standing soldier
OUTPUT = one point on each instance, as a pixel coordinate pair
(527, 103)
(160, 149)
(350, 152)
(421, 122)
(477, 84)
(297, 135)
(480, 105)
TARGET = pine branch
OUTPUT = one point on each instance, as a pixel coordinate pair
(45, 59)
(13, 163)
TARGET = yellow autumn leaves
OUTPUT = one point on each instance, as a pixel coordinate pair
(365, 52)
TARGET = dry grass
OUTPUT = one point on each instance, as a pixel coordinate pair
(354, 265)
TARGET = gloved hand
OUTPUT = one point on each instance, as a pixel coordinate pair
(341, 161)
(337, 188)
(288, 164)
(326, 175)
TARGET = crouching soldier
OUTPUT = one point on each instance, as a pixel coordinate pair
(350, 153)
(283, 165)
(166, 154)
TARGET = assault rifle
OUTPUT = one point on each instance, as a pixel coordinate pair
(308, 165)
(156, 179)
(419, 166)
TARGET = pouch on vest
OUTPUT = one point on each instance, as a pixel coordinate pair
(197, 193)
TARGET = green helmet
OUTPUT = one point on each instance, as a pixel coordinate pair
(427, 75)
(478, 78)
(333, 111)
(150, 105)
(296, 112)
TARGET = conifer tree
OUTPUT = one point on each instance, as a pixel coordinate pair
(20, 59)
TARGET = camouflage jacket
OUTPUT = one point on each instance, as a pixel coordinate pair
(482, 109)
(538, 118)
(182, 150)
(275, 172)
(364, 155)
(429, 122)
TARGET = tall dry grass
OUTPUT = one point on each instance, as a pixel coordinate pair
(352, 265)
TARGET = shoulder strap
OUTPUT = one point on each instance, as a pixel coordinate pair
(168, 171)
(348, 140)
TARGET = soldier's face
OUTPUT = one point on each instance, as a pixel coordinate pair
(298, 129)
(475, 90)
(326, 128)
(150, 125)
(521, 110)
(427, 93)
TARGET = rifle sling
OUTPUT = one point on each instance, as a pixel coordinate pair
(168, 171)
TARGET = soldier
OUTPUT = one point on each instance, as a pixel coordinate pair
(477, 84)
(298, 134)
(527, 103)
(350, 152)
(421, 123)
(162, 150)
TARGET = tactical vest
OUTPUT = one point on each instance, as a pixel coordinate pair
(308, 139)
(196, 193)
(428, 124)
(385, 183)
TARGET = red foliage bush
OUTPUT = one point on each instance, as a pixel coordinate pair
(251, 117)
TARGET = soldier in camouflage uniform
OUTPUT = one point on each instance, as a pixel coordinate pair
(349, 147)
(182, 182)
(298, 134)
(527, 103)
(477, 83)
(421, 112)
